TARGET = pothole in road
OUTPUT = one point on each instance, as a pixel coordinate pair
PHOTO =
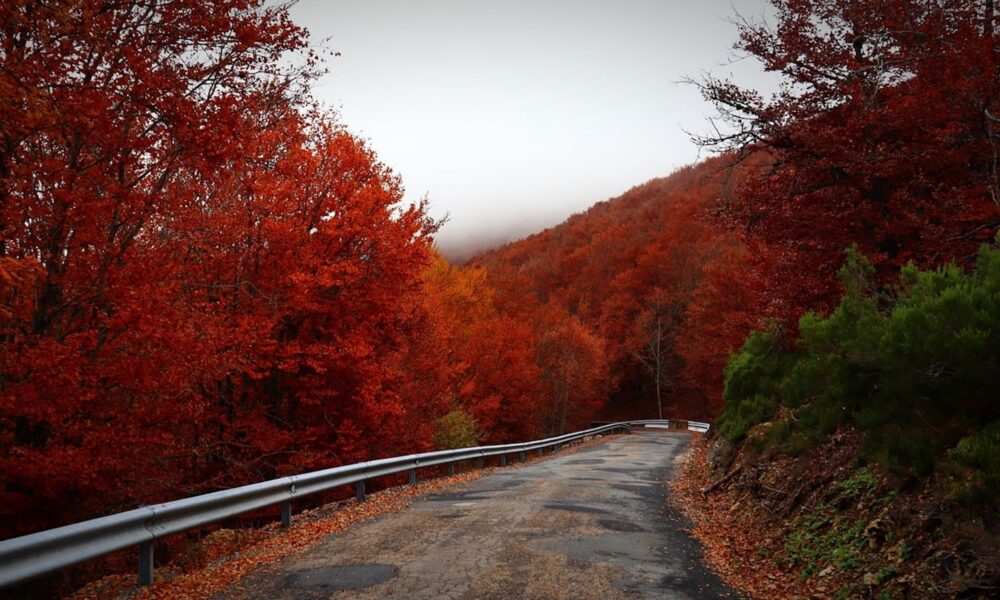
(455, 497)
(624, 526)
(509, 483)
(577, 508)
(341, 577)
(586, 461)
(617, 470)
(501, 486)
(640, 489)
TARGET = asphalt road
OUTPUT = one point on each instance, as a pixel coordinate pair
(593, 523)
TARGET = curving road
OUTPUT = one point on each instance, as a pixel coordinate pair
(588, 524)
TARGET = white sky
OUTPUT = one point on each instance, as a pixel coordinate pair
(510, 116)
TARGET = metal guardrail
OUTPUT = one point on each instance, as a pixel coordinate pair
(696, 426)
(36, 554)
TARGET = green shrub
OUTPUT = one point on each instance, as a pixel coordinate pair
(777, 434)
(860, 482)
(456, 429)
(914, 366)
(752, 380)
(759, 366)
(823, 538)
(745, 414)
(974, 466)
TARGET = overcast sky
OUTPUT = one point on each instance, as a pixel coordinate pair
(511, 115)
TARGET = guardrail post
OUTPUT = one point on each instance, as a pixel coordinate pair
(451, 469)
(286, 513)
(359, 488)
(503, 460)
(413, 477)
(524, 457)
(146, 563)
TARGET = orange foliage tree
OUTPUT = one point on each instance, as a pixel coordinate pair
(202, 281)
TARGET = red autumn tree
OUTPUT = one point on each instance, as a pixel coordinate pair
(203, 282)
(573, 370)
(884, 134)
(493, 378)
(729, 301)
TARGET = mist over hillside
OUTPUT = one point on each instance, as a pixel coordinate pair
(460, 248)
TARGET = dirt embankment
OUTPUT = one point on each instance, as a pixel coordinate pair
(822, 525)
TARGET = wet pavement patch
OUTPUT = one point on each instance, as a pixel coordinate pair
(614, 525)
(674, 582)
(456, 497)
(506, 483)
(500, 486)
(341, 577)
(578, 508)
(642, 489)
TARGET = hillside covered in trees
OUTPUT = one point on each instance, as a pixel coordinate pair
(848, 226)
(646, 273)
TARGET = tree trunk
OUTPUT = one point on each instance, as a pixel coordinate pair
(659, 368)
(565, 406)
(988, 20)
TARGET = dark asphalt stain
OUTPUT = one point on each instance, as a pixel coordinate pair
(577, 508)
(341, 577)
(673, 582)
(614, 525)
(631, 487)
(501, 485)
(456, 497)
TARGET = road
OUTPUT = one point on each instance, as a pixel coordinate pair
(593, 523)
